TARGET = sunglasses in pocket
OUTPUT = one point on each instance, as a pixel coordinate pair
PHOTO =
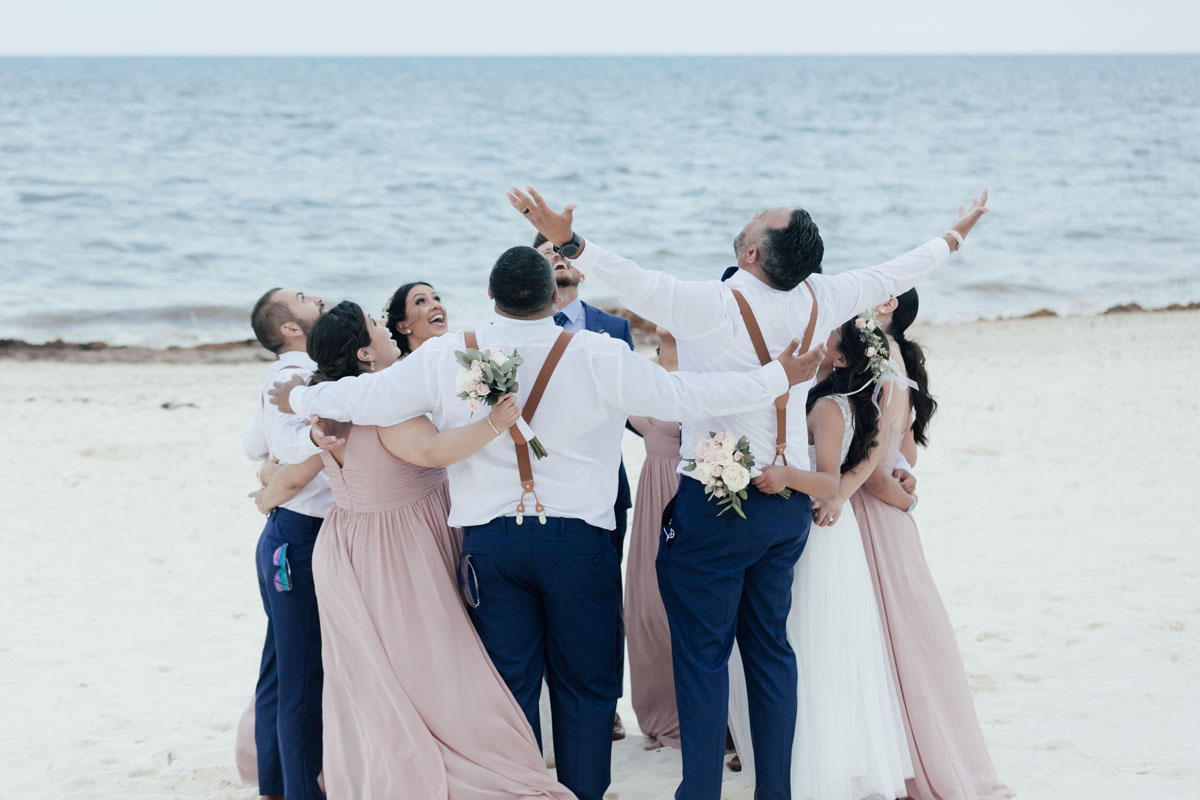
(283, 570)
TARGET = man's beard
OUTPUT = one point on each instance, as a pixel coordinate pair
(565, 281)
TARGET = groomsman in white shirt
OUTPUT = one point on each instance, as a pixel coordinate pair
(721, 575)
(287, 699)
(544, 594)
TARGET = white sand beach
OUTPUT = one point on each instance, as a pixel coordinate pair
(1058, 511)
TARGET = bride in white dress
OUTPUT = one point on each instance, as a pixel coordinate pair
(850, 742)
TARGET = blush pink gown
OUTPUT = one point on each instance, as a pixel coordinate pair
(413, 707)
(647, 635)
(949, 755)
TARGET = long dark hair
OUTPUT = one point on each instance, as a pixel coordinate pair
(335, 339)
(923, 403)
(397, 311)
(852, 378)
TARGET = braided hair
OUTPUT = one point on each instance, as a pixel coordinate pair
(397, 312)
(923, 403)
(854, 381)
(335, 339)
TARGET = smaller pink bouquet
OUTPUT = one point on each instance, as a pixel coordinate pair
(723, 463)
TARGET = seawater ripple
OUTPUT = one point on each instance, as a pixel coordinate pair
(150, 201)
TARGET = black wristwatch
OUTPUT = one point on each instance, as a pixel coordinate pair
(570, 249)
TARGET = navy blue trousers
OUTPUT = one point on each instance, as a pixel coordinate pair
(721, 576)
(546, 601)
(287, 701)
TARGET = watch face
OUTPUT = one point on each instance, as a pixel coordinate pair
(569, 249)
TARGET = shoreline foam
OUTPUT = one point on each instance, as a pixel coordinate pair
(248, 350)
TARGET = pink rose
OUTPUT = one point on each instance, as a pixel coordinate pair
(737, 456)
(473, 405)
(870, 352)
(481, 389)
(719, 493)
(705, 450)
(860, 323)
(716, 471)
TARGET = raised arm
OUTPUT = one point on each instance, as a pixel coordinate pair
(849, 293)
(419, 442)
(646, 389)
(687, 308)
(384, 398)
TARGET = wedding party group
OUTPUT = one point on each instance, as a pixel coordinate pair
(447, 516)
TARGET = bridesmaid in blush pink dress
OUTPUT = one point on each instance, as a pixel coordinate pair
(412, 706)
(647, 634)
(949, 755)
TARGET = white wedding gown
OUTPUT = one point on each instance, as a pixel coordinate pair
(850, 742)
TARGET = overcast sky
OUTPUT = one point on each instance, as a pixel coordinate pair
(362, 27)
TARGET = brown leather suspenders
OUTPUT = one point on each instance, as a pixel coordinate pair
(764, 357)
(524, 466)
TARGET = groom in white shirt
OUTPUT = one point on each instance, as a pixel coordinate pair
(545, 596)
(721, 575)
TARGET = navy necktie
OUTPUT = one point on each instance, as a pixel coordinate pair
(560, 319)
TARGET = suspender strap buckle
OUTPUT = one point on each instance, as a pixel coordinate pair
(524, 466)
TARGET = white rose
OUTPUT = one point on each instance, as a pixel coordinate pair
(463, 381)
(736, 477)
(703, 471)
(729, 445)
(497, 357)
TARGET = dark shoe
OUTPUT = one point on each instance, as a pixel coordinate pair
(618, 728)
(735, 764)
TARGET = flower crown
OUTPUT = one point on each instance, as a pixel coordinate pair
(879, 365)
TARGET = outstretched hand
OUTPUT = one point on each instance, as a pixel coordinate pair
(280, 392)
(554, 225)
(803, 367)
(967, 217)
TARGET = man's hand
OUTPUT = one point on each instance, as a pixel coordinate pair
(773, 480)
(326, 441)
(554, 225)
(825, 513)
(968, 217)
(907, 481)
(258, 501)
(803, 367)
(267, 470)
(279, 393)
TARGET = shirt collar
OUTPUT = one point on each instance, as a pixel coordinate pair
(573, 310)
(744, 280)
(295, 358)
(523, 323)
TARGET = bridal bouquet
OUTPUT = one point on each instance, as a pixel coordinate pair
(723, 465)
(484, 376)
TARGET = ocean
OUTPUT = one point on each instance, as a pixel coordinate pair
(151, 200)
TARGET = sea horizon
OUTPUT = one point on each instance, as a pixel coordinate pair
(150, 199)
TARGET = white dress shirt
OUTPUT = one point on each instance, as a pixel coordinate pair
(598, 383)
(575, 316)
(284, 437)
(705, 320)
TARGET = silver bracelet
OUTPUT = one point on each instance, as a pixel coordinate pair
(492, 424)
